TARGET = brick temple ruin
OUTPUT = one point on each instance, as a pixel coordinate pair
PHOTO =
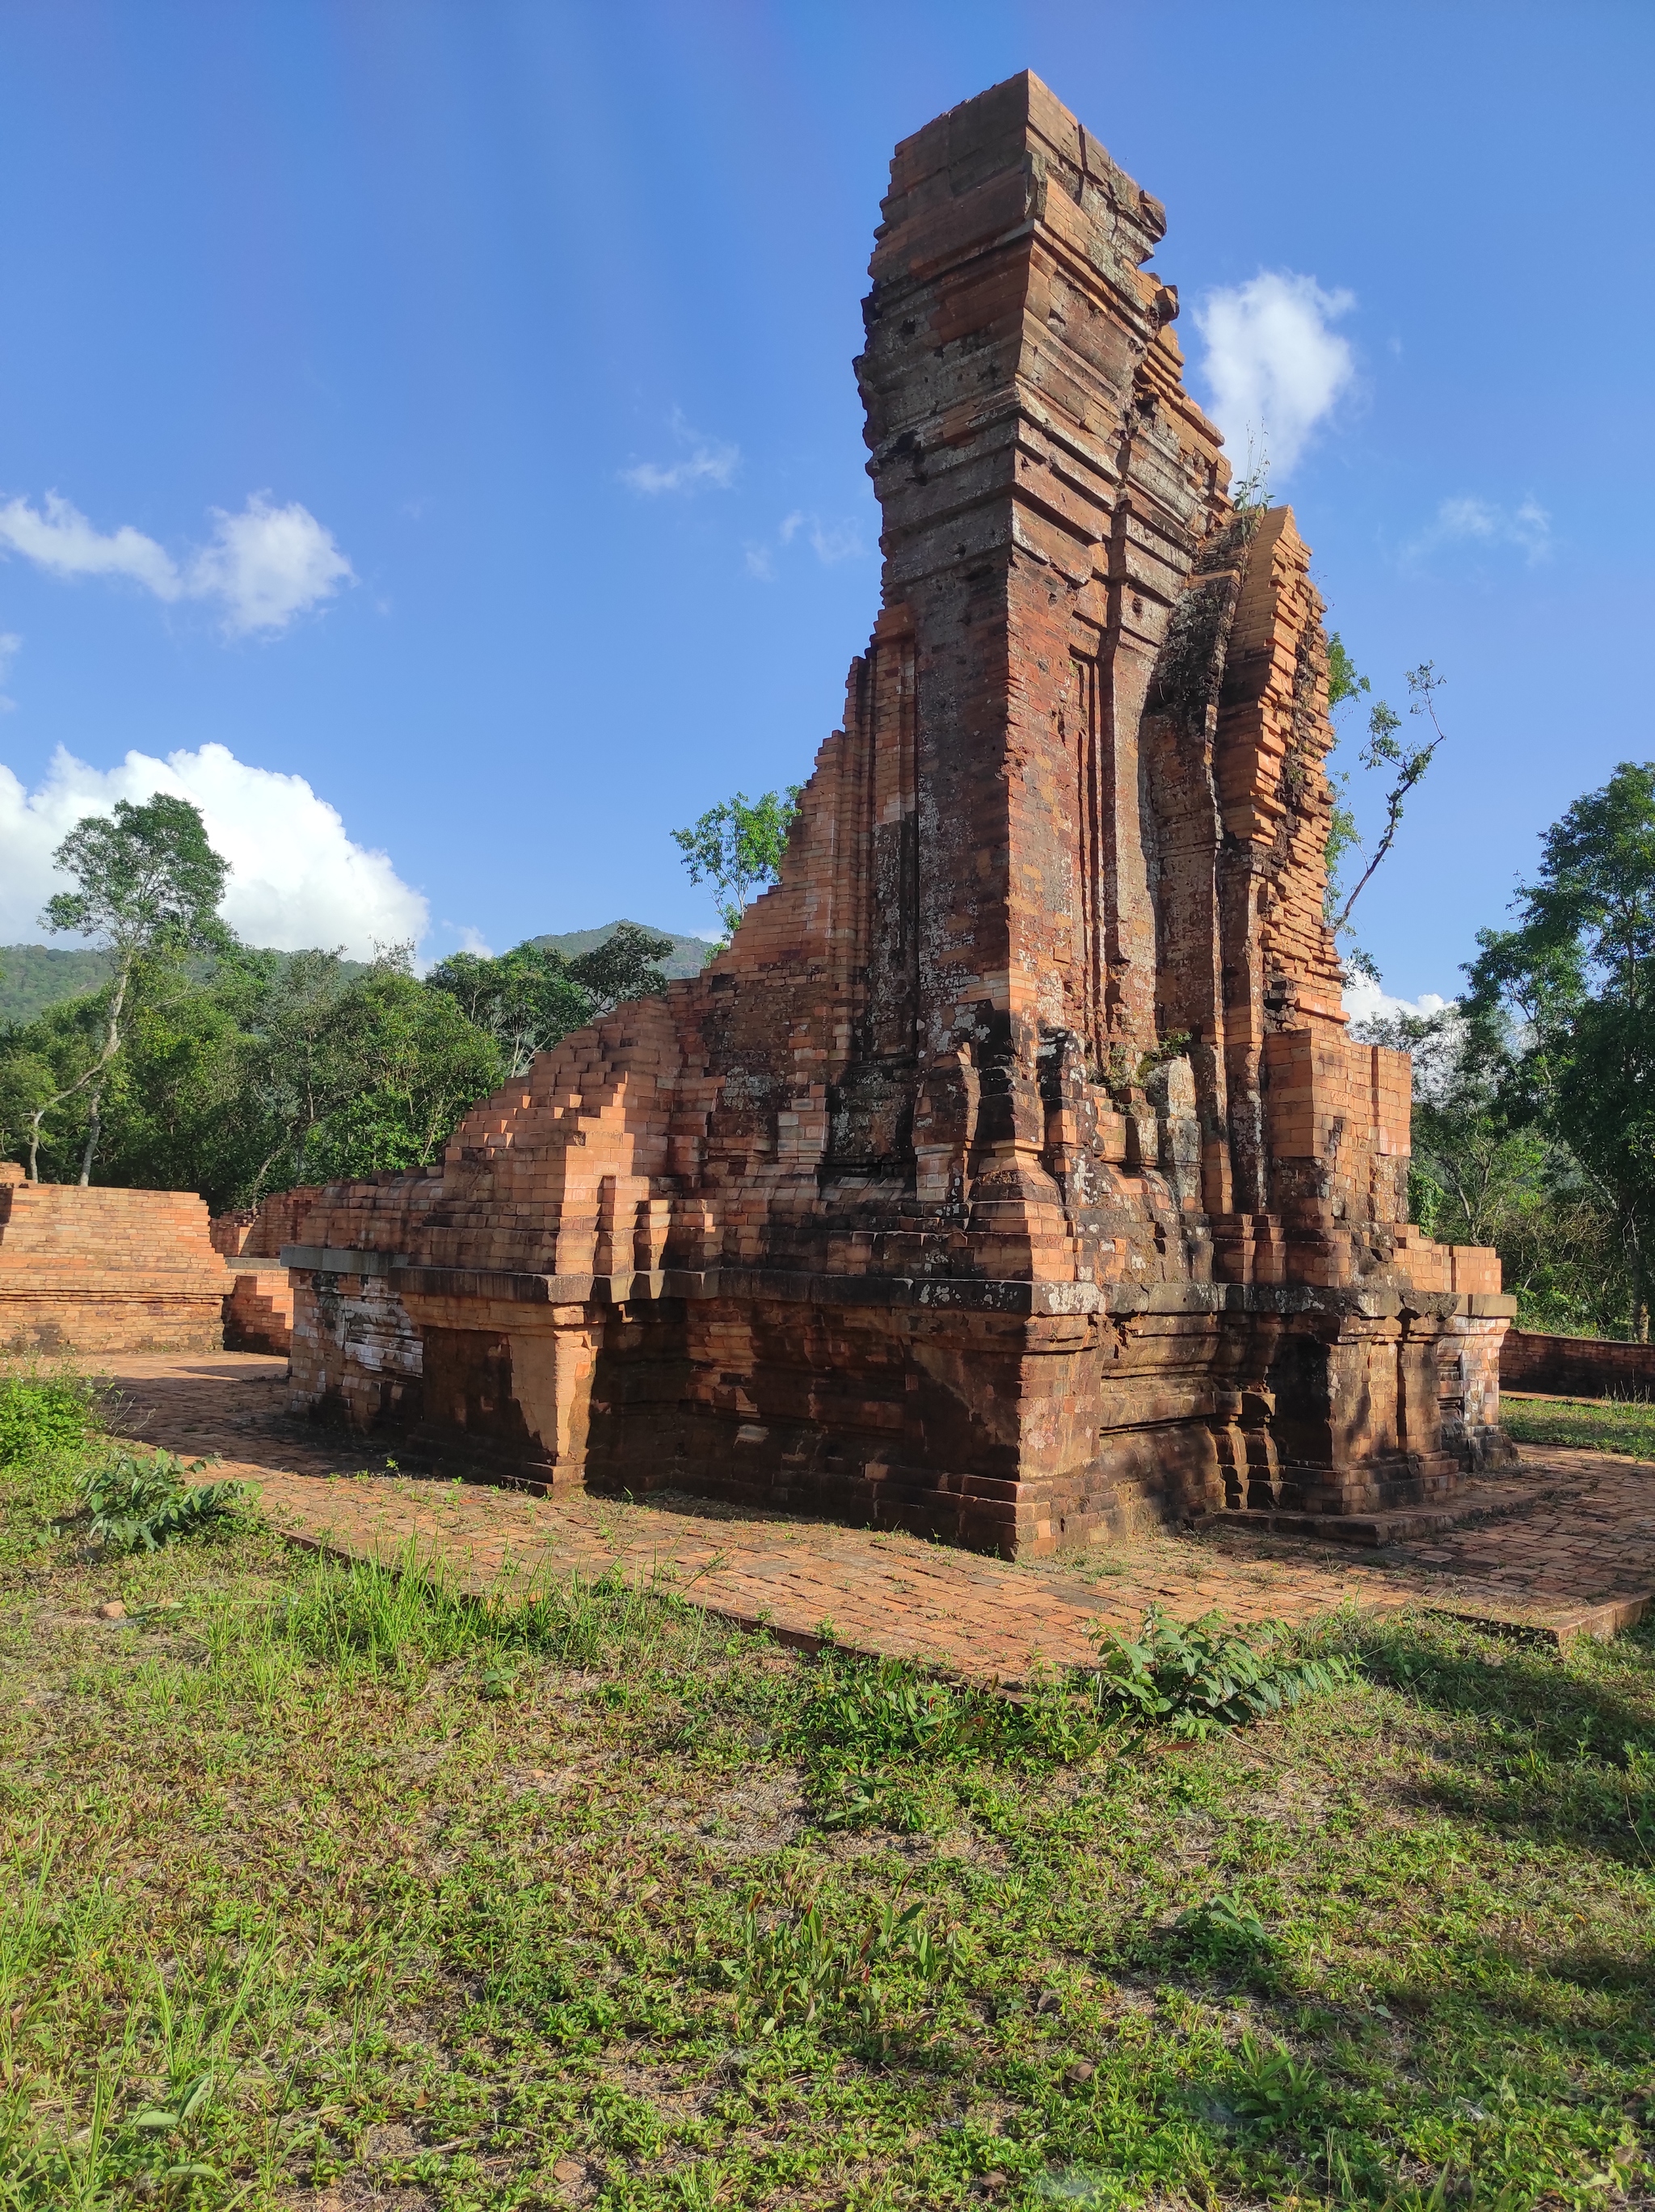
(258, 1307)
(106, 1270)
(1011, 1176)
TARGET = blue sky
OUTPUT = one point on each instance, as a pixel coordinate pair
(478, 379)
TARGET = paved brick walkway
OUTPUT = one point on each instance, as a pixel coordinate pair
(1586, 1556)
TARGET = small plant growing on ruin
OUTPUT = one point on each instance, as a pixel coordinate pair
(1192, 1681)
(137, 1503)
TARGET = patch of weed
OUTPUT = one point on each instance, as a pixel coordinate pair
(41, 1415)
(1193, 1680)
(137, 1501)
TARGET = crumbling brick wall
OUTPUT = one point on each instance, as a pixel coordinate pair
(103, 1270)
(258, 1308)
(1011, 1174)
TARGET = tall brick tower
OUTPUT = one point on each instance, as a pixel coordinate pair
(1011, 1174)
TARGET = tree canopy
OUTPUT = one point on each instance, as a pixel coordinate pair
(239, 1073)
(1575, 980)
(147, 883)
(737, 847)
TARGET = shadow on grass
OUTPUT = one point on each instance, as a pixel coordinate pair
(1554, 1748)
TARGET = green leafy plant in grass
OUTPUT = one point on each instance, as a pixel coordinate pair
(137, 1503)
(876, 1737)
(1272, 2090)
(797, 1972)
(39, 1416)
(409, 1617)
(1224, 1933)
(1192, 1681)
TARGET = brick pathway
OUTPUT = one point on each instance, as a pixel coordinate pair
(1584, 1556)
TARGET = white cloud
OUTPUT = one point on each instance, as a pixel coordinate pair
(1366, 1001)
(10, 646)
(704, 461)
(297, 879)
(473, 941)
(267, 564)
(1479, 522)
(1274, 367)
(829, 542)
(262, 566)
(837, 541)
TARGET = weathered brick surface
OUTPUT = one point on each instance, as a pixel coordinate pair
(1577, 1366)
(101, 1270)
(258, 1310)
(1011, 1176)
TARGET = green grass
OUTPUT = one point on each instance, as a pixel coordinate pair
(1613, 1425)
(326, 1888)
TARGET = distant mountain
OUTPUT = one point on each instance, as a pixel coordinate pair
(35, 976)
(688, 957)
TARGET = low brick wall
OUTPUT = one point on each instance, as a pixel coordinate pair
(1576, 1366)
(258, 1312)
(100, 1270)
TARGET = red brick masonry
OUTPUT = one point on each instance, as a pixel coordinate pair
(1011, 1177)
(258, 1311)
(1573, 1550)
(99, 1270)
(1577, 1366)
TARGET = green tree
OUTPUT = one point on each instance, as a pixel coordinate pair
(1576, 978)
(1484, 1172)
(531, 997)
(45, 1066)
(525, 999)
(398, 1063)
(182, 1114)
(146, 880)
(737, 847)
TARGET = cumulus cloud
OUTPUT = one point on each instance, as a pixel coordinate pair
(829, 542)
(1479, 522)
(1366, 1001)
(267, 564)
(297, 877)
(262, 567)
(1274, 367)
(703, 461)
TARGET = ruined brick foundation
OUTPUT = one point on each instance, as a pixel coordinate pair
(1011, 1176)
(103, 1270)
(258, 1310)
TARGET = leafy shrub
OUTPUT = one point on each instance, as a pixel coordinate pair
(1195, 1680)
(139, 1505)
(1224, 1933)
(39, 1417)
(1270, 2089)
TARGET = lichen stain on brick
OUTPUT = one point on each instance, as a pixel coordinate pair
(1011, 1177)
